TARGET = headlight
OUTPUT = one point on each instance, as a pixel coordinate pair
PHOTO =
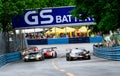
(26, 57)
(37, 56)
(84, 52)
(72, 55)
(87, 54)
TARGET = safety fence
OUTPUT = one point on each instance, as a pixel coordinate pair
(58, 41)
(9, 57)
(96, 39)
(64, 40)
(112, 53)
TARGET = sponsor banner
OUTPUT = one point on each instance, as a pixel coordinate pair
(46, 17)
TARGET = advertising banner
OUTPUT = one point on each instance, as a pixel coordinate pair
(46, 17)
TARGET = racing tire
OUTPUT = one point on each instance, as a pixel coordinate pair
(67, 58)
(25, 60)
(43, 58)
(52, 55)
(70, 58)
(89, 57)
(38, 59)
(55, 55)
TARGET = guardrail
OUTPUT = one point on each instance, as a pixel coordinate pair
(12, 56)
(65, 40)
(112, 53)
(37, 41)
(2, 60)
(9, 57)
(96, 39)
(79, 40)
(58, 41)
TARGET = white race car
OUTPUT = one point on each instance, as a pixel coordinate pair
(77, 53)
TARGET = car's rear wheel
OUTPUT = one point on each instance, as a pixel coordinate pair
(55, 54)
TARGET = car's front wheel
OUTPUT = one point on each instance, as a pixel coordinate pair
(25, 60)
(70, 58)
(88, 57)
(67, 58)
(43, 58)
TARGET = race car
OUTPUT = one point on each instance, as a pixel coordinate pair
(77, 53)
(34, 56)
(30, 49)
(34, 48)
(49, 52)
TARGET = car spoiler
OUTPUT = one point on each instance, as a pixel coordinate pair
(50, 48)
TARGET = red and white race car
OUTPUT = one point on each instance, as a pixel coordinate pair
(49, 52)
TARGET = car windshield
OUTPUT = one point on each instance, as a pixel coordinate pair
(33, 48)
(46, 50)
(33, 53)
(77, 50)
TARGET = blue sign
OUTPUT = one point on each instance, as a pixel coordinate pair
(47, 17)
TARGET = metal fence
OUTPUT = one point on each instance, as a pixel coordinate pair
(2, 44)
(9, 42)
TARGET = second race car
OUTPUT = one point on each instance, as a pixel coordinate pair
(49, 52)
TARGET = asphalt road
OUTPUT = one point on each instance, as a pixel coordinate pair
(60, 67)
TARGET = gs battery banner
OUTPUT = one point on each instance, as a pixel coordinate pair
(46, 17)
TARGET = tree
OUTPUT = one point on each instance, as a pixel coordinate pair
(11, 8)
(105, 12)
(0, 13)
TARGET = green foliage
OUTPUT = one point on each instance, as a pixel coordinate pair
(105, 12)
(10, 8)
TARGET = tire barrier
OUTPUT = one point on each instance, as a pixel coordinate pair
(96, 39)
(112, 53)
(79, 40)
(37, 41)
(58, 41)
(10, 57)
